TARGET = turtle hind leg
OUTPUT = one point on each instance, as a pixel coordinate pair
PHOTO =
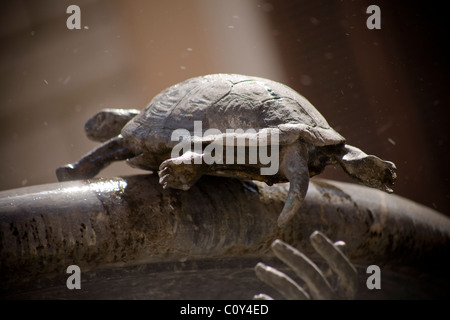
(181, 172)
(92, 163)
(368, 169)
(294, 166)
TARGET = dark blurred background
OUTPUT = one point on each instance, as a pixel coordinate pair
(384, 90)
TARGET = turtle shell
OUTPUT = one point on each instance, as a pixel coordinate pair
(227, 101)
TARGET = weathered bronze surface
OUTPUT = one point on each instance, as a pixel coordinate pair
(215, 232)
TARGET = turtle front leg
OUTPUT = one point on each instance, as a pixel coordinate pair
(181, 172)
(294, 166)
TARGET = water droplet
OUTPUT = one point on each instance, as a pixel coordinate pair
(267, 7)
(66, 80)
(306, 80)
(328, 55)
(314, 21)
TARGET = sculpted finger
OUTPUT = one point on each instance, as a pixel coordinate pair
(341, 245)
(280, 282)
(305, 269)
(339, 263)
(262, 296)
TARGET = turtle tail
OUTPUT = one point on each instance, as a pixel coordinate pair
(108, 123)
(367, 169)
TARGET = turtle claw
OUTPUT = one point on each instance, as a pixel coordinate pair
(65, 173)
(180, 172)
(163, 179)
(71, 172)
(168, 180)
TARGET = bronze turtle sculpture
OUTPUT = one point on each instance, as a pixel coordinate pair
(263, 110)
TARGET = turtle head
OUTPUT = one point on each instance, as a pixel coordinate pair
(368, 169)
